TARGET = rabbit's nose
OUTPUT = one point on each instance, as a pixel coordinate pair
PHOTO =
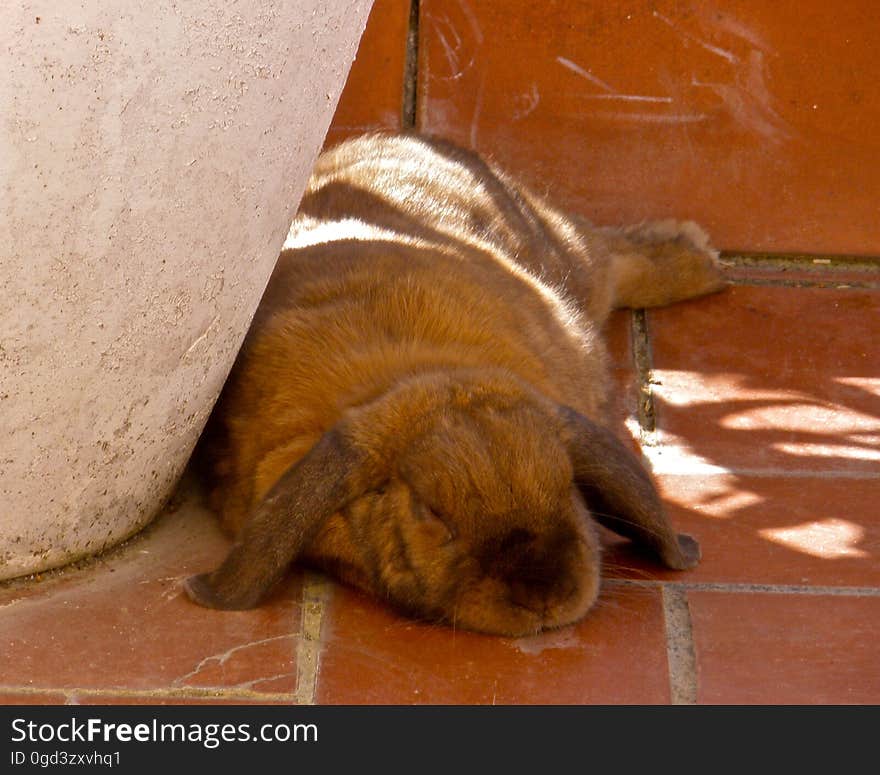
(523, 595)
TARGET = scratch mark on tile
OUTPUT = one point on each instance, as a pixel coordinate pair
(472, 20)
(749, 101)
(478, 108)
(739, 30)
(653, 118)
(627, 98)
(746, 96)
(451, 53)
(717, 50)
(526, 103)
(222, 658)
(576, 68)
(453, 44)
(249, 685)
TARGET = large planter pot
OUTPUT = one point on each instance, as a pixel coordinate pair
(152, 155)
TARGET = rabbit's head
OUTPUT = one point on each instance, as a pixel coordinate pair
(467, 498)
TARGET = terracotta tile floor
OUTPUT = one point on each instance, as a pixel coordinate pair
(758, 408)
(756, 119)
(765, 446)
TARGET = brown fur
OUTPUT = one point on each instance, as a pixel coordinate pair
(419, 404)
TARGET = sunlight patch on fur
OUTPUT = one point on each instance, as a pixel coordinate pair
(310, 231)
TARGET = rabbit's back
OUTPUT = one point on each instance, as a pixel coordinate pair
(374, 286)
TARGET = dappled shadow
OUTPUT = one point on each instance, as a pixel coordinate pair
(746, 425)
(767, 442)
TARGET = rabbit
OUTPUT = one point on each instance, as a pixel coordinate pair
(419, 405)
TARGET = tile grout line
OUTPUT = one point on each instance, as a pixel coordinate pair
(780, 282)
(820, 263)
(409, 115)
(188, 693)
(750, 588)
(317, 591)
(680, 655)
(642, 362)
(822, 267)
(680, 652)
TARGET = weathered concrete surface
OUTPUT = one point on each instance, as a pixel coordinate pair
(152, 155)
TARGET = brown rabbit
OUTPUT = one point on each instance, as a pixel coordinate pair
(419, 404)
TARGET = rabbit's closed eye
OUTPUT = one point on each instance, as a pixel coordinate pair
(442, 525)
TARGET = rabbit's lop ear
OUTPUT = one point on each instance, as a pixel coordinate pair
(290, 515)
(619, 492)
